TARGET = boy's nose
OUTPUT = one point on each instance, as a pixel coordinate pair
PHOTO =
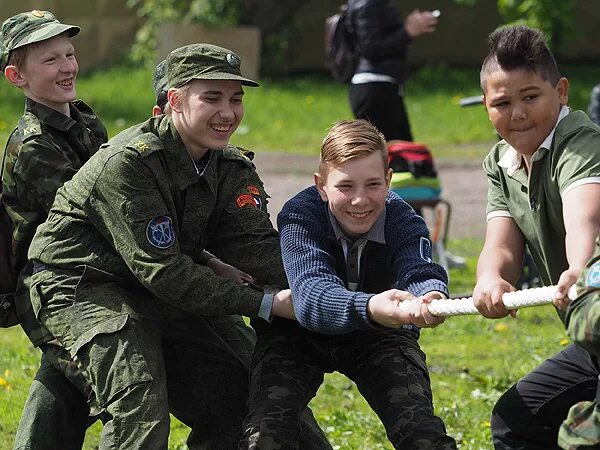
(226, 111)
(69, 65)
(518, 113)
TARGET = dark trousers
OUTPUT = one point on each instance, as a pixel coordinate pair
(529, 414)
(387, 366)
(383, 106)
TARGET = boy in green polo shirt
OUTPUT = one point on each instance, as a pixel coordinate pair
(55, 136)
(544, 186)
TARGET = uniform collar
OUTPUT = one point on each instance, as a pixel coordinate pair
(183, 168)
(512, 160)
(53, 118)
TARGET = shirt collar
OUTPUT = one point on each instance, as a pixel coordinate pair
(375, 234)
(51, 117)
(512, 160)
(182, 165)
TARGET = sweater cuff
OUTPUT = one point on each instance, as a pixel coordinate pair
(423, 287)
(361, 301)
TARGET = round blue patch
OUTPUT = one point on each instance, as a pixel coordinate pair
(160, 232)
(592, 279)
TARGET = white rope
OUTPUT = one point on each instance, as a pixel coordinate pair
(511, 300)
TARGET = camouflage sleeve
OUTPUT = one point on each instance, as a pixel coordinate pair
(583, 315)
(246, 238)
(39, 171)
(132, 213)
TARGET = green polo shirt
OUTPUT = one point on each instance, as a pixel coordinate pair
(569, 157)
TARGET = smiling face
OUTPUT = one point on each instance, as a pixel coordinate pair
(356, 192)
(523, 107)
(207, 114)
(49, 72)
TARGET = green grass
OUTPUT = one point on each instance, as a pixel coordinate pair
(293, 114)
(472, 361)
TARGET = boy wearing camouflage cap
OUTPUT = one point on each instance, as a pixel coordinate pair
(52, 140)
(137, 219)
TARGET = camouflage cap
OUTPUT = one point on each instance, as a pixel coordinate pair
(29, 27)
(159, 79)
(204, 62)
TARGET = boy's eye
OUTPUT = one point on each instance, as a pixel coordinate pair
(237, 100)
(529, 97)
(212, 99)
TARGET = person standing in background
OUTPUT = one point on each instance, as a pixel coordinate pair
(382, 40)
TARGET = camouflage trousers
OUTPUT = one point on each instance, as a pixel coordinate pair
(56, 413)
(387, 366)
(141, 367)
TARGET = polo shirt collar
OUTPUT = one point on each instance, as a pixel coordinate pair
(512, 160)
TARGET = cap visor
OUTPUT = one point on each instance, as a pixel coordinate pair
(48, 31)
(226, 76)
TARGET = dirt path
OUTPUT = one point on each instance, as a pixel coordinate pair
(464, 187)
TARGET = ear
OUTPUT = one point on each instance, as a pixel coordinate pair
(388, 177)
(14, 76)
(173, 99)
(156, 111)
(320, 184)
(562, 87)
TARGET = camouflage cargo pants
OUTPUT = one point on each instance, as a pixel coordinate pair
(388, 368)
(142, 368)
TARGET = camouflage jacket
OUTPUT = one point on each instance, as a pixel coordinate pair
(46, 149)
(581, 429)
(141, 212)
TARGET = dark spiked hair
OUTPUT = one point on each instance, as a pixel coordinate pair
(519, 47)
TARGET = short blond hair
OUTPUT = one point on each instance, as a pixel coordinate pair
(348, 140)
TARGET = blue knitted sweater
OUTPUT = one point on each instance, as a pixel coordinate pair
(315, 264)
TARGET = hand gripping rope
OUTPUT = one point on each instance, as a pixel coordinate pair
(511, 300)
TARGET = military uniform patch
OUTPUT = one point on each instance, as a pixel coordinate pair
(160, 233)
(245, 199)
(592, 279)
(256, 195)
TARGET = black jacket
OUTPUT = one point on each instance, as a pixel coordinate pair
(380, 36)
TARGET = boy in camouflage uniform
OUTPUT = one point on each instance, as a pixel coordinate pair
(117, 264)
(53, 139)
(544, 186)
(346, 244)
(581, 429)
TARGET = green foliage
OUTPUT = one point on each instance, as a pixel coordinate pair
(554, 18)
(209, 13)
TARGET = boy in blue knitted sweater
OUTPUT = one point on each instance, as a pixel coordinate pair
(352, 251)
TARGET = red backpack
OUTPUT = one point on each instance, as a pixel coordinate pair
(414, 177)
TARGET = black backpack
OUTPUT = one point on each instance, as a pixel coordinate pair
(340, 46)
(8, 272)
